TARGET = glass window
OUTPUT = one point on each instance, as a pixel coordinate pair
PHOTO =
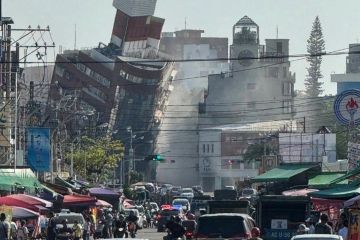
(212, 148)
(203, 148)
(287, 88)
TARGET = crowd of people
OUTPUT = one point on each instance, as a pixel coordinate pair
(324, 226)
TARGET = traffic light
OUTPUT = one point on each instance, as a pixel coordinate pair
(156, 157)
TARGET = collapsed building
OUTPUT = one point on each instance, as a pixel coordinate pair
(120, 88)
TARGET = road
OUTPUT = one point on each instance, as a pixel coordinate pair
(150, 233)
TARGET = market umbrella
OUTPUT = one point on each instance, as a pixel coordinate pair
(78, 200)
(102, 203)
(8, 201)
(103, 191)
(23, 213)
(353, 202)
(32, 200)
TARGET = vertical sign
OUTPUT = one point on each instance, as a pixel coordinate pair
(353, 155)
(38, 147)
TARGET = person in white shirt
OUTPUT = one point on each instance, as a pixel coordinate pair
(22, 233)
(343, 231)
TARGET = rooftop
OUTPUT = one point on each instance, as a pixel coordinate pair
(246, 21)
(258, 127)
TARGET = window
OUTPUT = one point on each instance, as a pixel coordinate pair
(273, 72)
(251, 86)
(285, 72)
(287, 88)
(59, 71)
(287, 106)
(203, 148)
(279, 47)
(208, 148)
(212, 148)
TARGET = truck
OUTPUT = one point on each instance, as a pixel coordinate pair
(229, 206)
(279, 216)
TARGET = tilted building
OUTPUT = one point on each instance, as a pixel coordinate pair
(125, 83)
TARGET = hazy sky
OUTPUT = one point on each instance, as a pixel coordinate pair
(94, 19)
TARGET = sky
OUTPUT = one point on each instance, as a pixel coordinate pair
(293, 19)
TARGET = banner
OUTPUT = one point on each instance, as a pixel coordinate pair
(39, 149)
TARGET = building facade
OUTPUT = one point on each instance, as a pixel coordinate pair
(222, 150)
(351, 79)
(259, 85)
(115, 82)
(178, 139)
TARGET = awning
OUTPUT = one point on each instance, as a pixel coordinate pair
(23, 213)
(299, 192)
(350, 174)
(283, 173)
(353, 202)
(31, 200)
(344, 192)
(324, 179)
(103, 191)
(21, 177)
(102, 203)
(78, 200)
(17, 203)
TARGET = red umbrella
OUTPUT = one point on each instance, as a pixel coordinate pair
(8, 201)
(102, 203)
(32, 200)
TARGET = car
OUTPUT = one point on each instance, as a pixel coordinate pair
(183, 202)
(154, 206)
(224, 225)
(248, 192)
(317, 237)
(175, 191)
(187, 192)
(165, 216)
(70, 218)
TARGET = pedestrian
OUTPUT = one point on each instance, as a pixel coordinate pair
(323, 227)
(4, 227)
(87, 228)
(310, 224)
(77, 230)
(51, 228)
(22, 233)
(343, 231)
(109, 223)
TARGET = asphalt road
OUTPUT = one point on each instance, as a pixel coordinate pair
(150, 233)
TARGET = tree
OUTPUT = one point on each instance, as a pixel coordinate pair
(316, 46)
(96, 159)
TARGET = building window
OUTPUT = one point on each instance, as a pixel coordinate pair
(279, 47)
(285, 72)
(203, 148)
(248, 164)
(251, 86)
(212, 148)
(287, 88)
(208, 148)
(251, 105)
(287, 106)
(273, 72)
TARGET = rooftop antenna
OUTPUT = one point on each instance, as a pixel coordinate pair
(75, 38)
(185, 23)
(277, 32)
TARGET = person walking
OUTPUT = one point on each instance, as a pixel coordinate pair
(51, 228)
(4, 228)
(87, 229)
(343, 231)
(22, 233)
(323, 227)
(77, 230)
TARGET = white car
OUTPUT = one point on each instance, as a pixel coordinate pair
(187, 193)
(183, 202)
(69, 217)
(317, 237)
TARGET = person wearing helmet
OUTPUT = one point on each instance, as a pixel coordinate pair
(255, 234)
(120, 230)
(175, 229)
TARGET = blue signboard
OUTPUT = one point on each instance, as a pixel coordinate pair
(38, 149)
(346, 107)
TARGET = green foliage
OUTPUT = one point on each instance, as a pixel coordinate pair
(316, 45)
(136, 177)
(96, 159)
(256, 151)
